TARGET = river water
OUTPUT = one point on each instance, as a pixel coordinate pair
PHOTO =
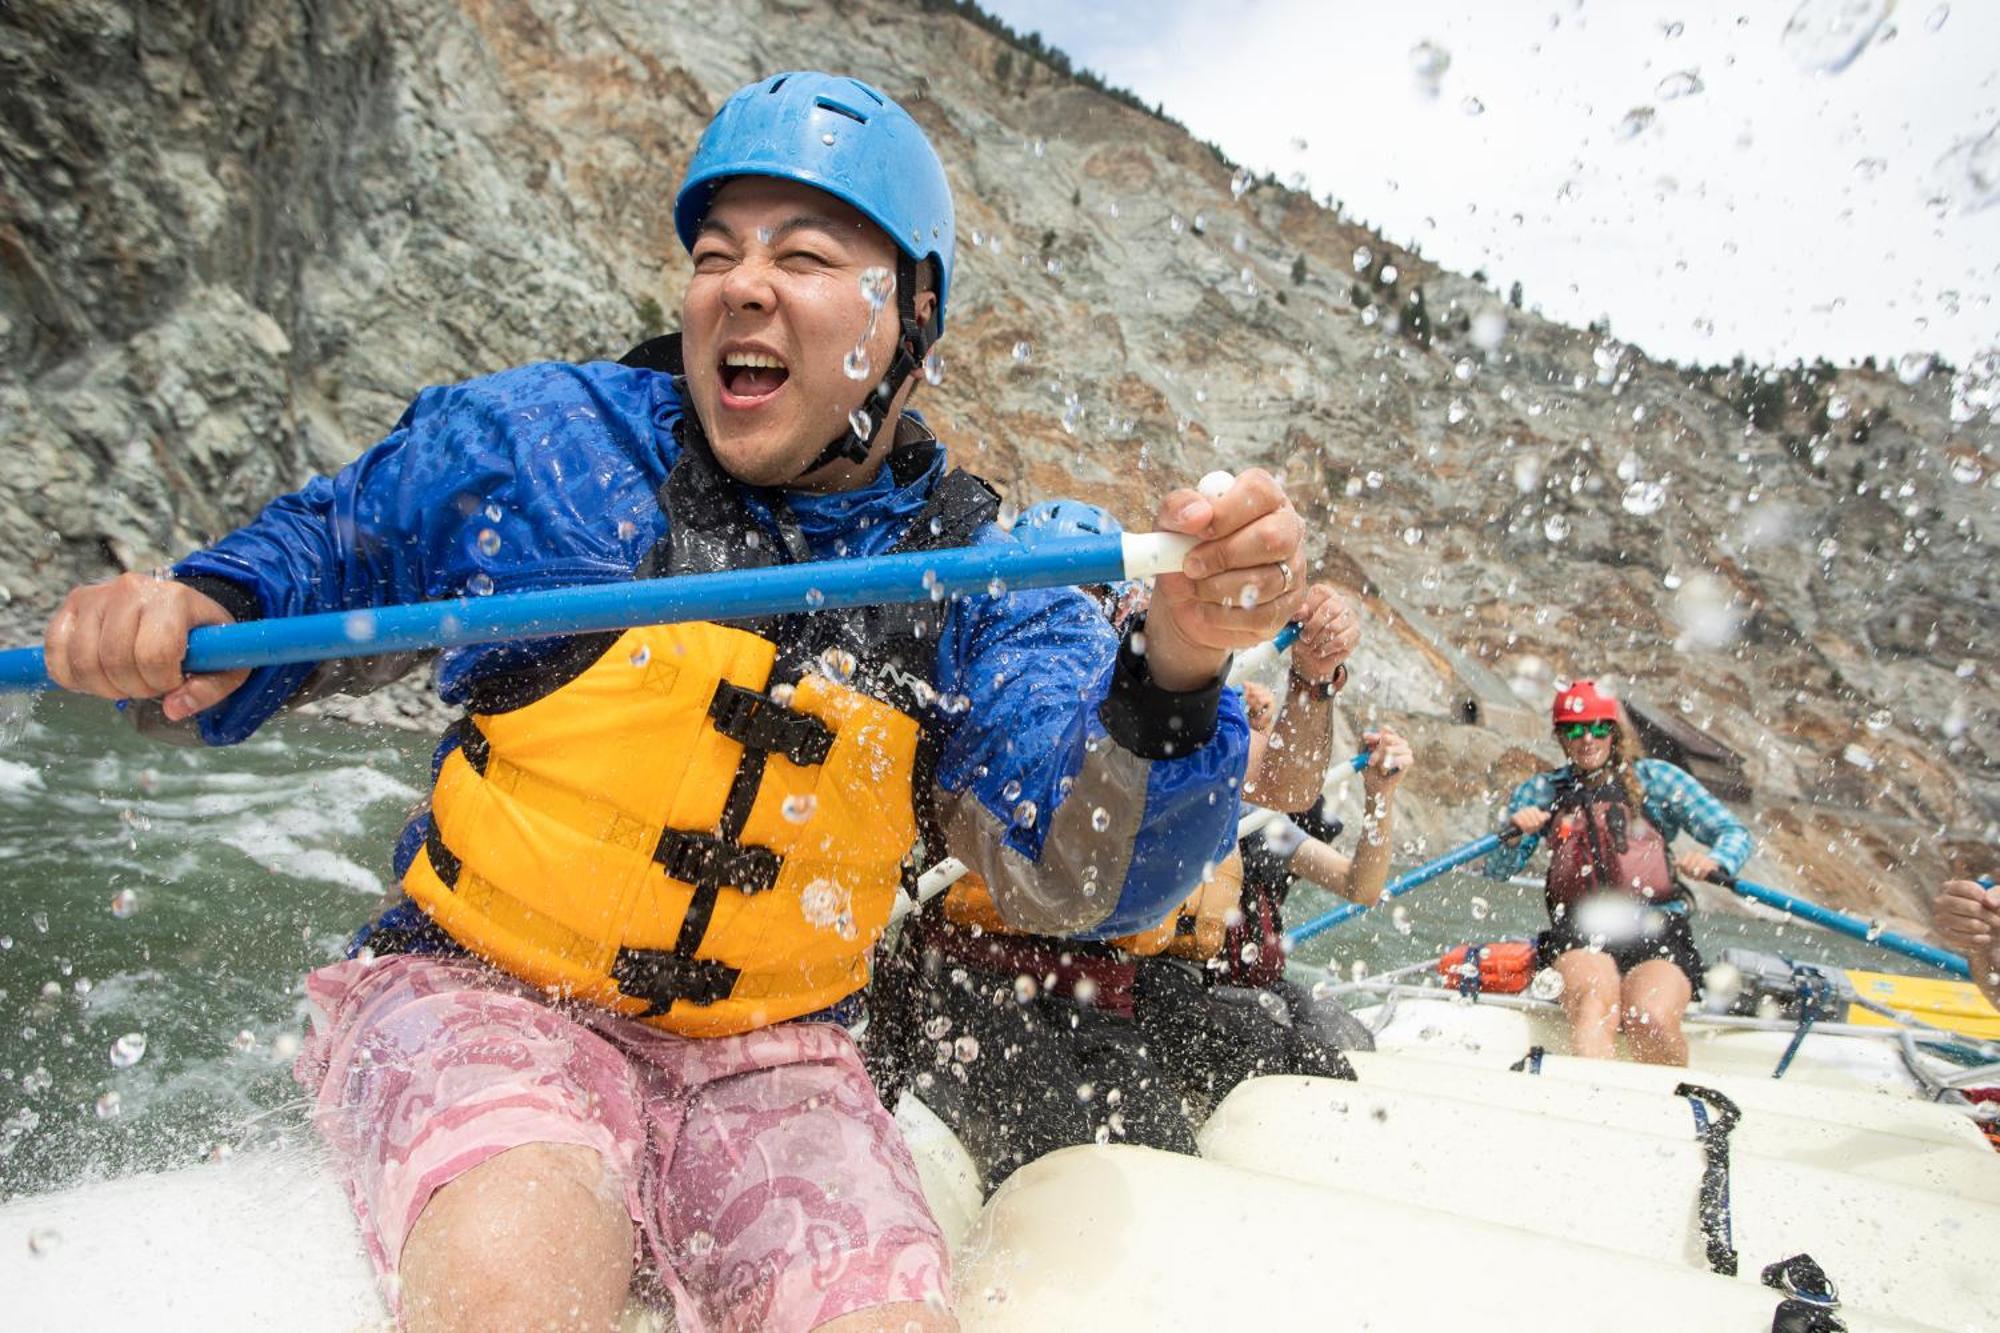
(180, 895)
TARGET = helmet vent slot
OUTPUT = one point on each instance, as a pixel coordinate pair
(841, 109)
(777, 83)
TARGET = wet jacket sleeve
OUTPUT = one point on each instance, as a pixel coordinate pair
(1040, 787)
(1537, 793)
(477, 489)
(1676, 802)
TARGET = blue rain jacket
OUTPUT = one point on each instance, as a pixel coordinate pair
(547, 475)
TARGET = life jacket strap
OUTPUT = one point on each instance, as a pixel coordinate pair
(662, 976)
(708, 861)
(759, 722)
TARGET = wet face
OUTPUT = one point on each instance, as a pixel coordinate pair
(1588, 752)
(775, 306)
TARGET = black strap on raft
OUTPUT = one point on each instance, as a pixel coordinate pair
(1714, 1136)
(1814, 995)
(1531, 1063)
(1469, 977)
(1810, 1297)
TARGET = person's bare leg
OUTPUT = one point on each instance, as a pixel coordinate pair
(902, 1317)
(1655, 994)
(534, 1238)
(1590, 998)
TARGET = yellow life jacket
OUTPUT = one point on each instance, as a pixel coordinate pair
(701, 826)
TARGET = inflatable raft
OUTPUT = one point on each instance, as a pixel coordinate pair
(1470, 1162)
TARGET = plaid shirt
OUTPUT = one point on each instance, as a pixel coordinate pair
(1675, 803)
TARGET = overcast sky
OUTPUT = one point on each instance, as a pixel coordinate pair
(1711, 181)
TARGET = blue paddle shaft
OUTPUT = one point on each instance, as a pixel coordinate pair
(1843, 924)
(735, 595)
(1400, 885)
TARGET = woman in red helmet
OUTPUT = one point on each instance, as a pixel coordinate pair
(1618, 915)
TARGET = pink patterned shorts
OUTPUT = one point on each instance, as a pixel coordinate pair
(764, 1178)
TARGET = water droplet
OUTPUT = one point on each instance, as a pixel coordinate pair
(1555, 527)
(626, 530)
(640, 656)
(493, 511)
(1465, 369)
(877, 286)
(1100, 819)
(1399, 917)
(1022, 351)
(1373, 480)
(243, 1042)
(124, 903)
(1457, 411)
(1837, 407)
(1481, 909)
(823, 903)
(358, 626)
(1880, 719)
(855, 365)
(933, 368)
(1826, 36)
(1389, 274)
(860, 423)
(1489, 329)
(1936, 18)
(1547, 985)
(1644, 497)
(815, 598)
(128, 1050)
(1411, 536)
(1364, 258)
(965, 1050)
(489, 542)
(1024, 815)
(838, 665)
(1635, 122)
(109, 1104)
(799, 807)
(1913, 367)
(480, 584)
(1472, 106)
(1429, 62)
(1024, 988)
(1239, 183)
(1874, 931)
(43, 1241)
(1683, 83)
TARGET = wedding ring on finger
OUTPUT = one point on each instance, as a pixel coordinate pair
(1285, 568)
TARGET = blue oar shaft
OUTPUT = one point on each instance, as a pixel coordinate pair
(734, 595)
(1398, 886)
(1843, 924)
(1287, 636)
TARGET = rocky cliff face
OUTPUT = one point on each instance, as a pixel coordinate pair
(235, 237)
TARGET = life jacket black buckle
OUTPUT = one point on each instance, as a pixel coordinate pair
(704, 859)
(759, 722)
(660, 976)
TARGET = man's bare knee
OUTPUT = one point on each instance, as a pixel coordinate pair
(536, 1237)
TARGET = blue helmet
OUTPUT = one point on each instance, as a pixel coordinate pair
(838, 135)
(1066, 518)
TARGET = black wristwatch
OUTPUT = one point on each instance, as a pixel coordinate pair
(1321, 690)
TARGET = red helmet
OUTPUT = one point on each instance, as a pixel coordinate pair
(1584, 702)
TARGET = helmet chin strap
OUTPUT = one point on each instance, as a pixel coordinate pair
(912, 344)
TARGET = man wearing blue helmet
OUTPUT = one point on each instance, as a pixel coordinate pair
(605, 1023)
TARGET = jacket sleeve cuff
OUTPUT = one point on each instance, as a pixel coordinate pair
(239, 600)
(1150, 721)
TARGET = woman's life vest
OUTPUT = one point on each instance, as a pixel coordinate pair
(1253, 951)
(702, 826)
(1599, 844)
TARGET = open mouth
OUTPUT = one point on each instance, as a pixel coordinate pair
(749, 378)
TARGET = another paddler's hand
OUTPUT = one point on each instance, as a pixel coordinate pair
(1696, 865)
(1529, 821)
(126, 639)
(1260, 707)
(1389, 758)
(1239, 586)
(1329, 629)
(1967, 916)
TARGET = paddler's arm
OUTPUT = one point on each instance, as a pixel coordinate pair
(1682, 802)
(1291, 776)
(1131, 762)
(483, 486)
(1509, 859)
(1967, 917)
